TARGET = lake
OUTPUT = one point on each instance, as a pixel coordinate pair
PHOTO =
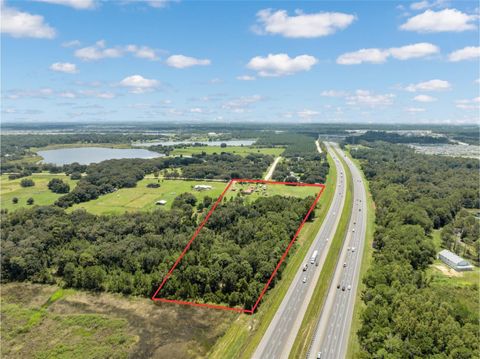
(87, 155)
(208, 143)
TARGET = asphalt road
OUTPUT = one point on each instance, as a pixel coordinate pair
(333, 328)
(280, 335)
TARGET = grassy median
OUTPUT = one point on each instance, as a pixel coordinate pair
(245, 333)
(306, 331)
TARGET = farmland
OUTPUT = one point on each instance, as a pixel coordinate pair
(238, 150)
(142, 198)
(40, 192)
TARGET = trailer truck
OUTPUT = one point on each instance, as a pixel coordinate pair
(314, 257)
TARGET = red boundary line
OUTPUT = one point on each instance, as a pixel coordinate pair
(265, 288)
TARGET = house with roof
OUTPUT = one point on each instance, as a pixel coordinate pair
(454, 261)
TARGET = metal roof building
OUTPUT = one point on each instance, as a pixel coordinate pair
(454, 261)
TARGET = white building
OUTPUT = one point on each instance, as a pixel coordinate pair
(201, 187)
(454, 261)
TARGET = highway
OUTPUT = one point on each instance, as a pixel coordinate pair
(282, 331)
(333, 328)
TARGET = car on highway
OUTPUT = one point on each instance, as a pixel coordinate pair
(305, 267)
(353, 230)
(353, 249)
(338, 286)
(319, 355)
(349, 287)
(344, 265)
(304, 279)
(343, 288)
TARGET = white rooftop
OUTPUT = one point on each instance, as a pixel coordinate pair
(452, 257)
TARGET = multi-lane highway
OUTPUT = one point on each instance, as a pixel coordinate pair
(333, 328)
(280, 335)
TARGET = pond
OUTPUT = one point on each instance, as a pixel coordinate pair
(87, 155)
(208, 143)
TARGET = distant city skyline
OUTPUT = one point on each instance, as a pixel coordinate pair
(184, 61)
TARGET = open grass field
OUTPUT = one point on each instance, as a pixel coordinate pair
(40, 192)
(44, 321)
(268, 190)
(239, 150)
(353, 344)
(244, 334)
(142, 198)
(307, 328)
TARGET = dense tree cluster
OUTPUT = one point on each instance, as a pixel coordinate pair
(56, 185)
(407, 316)
(462, 236)
(393, 137)
(228, 263)
(27, 182)
(302, 162)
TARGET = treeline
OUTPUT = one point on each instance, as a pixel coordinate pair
(407, 316)
(302, 162)
(393, 137)
(19, 170)
(228, 263)
(109, 176)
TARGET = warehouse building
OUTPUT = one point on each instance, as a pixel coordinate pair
(454, 261)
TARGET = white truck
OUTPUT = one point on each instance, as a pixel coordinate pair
(314, 257)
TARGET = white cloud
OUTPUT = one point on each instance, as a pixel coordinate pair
(424, 98)
(181, 61)
(440, 21)
(374, 56)
(467, 53)
(307, 114)
(76, 4)
(302, 25)
(421, 49)
(281, 64)
(67, 94)
(378, 56)
(22, 24)
(367, 98)
(97, 52)
(240, 104)
(196, 110)
(246, 78)
(432, 85)
(333, 93)
(477, 81)
(472, 104)
(139, 84)
(100, 51)
(158, 4)
(414, 109)
(421, 5)
(40, 93)
(143, 52)
(64, 67)
(73, 43)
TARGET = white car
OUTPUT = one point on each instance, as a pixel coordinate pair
(353, 249)
(353, 230)
(304, 279)
(349, 287)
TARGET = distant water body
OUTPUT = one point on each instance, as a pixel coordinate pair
(87, 155)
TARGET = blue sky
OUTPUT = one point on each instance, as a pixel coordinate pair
(186, 61)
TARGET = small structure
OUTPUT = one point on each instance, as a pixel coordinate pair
(202, 187)
(454, 261)
(162, 202)
(249, 190)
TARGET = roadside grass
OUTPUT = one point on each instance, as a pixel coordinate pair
(238, 150)
(353, 350)
(142, 198)
(245, 333)
(271, 190)
(40, 193)
(45, 321)
(307, 328)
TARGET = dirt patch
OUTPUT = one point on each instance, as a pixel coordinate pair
(449, 272)
(140, 327)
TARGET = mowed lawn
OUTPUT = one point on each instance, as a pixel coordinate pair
(40, 192)
(239, 150)
(142, 198)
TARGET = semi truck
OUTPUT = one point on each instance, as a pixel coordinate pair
(314, 257)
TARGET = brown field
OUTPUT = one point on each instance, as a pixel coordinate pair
(45, 321)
